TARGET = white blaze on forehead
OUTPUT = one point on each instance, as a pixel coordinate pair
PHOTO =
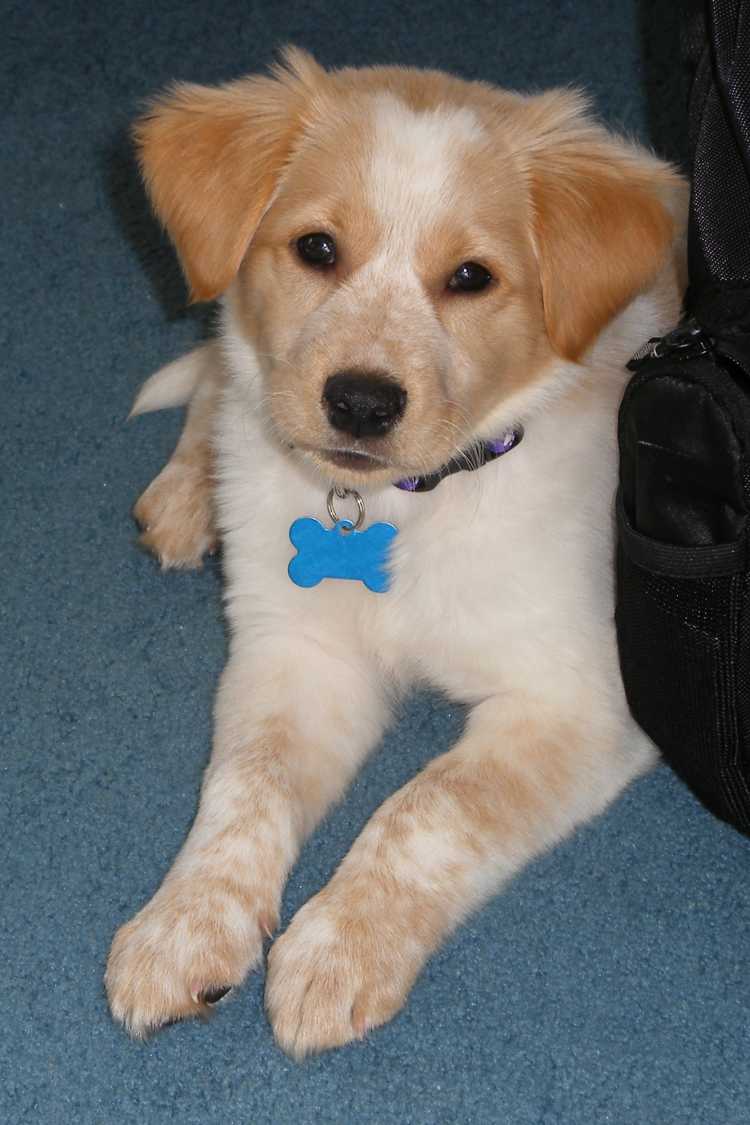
(415, 159)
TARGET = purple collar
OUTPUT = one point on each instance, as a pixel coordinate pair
(472, 458)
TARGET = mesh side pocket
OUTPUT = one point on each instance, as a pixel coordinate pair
(681, 620)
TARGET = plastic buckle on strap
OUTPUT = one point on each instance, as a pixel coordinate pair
(683, 342)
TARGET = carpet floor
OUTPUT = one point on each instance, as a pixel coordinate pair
(609, 983)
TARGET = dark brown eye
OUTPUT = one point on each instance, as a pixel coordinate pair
(317, 249)
(470, 278)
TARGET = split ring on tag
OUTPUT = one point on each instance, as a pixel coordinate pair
(341, 494)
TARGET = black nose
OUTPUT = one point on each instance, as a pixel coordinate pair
(364, 404)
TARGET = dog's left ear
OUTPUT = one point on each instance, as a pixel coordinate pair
(211, 158)
(605, 216)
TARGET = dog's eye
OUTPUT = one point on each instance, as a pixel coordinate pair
(317, 249)
(469, 278)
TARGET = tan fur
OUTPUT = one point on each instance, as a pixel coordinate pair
(501, 579)
(176, 512)
(601, 231)
(152, 975)
(272, 789)
(211, 158)
(383, 914)
(580, 231)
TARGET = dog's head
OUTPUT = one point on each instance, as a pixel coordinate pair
(406, 252)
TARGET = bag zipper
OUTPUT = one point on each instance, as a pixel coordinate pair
(683, 342)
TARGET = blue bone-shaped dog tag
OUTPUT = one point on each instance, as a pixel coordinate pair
(341, 552)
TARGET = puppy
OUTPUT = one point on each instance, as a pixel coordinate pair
(429, 289)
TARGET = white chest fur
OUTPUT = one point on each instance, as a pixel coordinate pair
(500, 576)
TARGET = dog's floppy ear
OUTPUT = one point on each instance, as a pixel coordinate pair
(211, 158)
(602, 221)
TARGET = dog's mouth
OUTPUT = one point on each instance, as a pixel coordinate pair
(353, 459)
(353, 467)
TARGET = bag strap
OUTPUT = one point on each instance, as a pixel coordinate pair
(717, 48)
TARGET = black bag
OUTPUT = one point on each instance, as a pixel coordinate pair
(683, 507)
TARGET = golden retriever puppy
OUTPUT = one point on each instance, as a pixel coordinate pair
(429, 289)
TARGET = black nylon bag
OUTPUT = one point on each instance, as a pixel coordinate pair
(683, 506)
(683, 577)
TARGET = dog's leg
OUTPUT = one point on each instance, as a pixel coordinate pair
(515, 784)
(287, 743)
(176, 510)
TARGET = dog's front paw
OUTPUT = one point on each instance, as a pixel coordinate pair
(340, 969)
(175, 514)
(183, 952)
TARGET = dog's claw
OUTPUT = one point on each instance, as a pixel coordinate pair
(214, 995)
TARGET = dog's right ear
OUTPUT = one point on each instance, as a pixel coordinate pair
(605, 217)
(211, 158)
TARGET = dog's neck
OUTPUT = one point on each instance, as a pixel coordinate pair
(470, 459)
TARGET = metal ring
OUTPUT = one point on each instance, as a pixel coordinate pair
(342, 493)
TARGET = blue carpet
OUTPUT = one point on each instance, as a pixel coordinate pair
(609, 984)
